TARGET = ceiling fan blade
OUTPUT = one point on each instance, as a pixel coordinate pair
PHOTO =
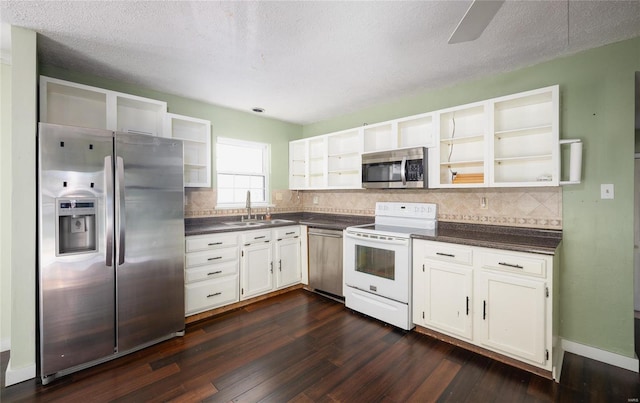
(475, 20)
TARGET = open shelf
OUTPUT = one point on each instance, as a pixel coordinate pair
(416, 131)
(379, 137)
(66, 104)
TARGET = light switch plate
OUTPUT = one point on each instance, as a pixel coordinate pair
(606, 191)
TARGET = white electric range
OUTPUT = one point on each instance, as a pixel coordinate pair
(377, 260)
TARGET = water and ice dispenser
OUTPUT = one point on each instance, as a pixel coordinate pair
(76, 219)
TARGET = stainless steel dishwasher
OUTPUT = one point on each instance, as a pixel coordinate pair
(325, 260)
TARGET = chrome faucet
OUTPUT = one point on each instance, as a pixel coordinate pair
(248, 205)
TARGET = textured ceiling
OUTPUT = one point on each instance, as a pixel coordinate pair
(310, 60)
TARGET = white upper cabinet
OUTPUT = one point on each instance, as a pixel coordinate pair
(379, 137)
(461, 149)
(298, 164)
(66, 103)
(407, 132)
(500, 142)
(416, 131)
(525, 139)
(333, 161)
(326, 162)
(196, 137)
(344, 167)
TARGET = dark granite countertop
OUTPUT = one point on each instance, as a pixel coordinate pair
(530, 240)
(215, 225)
(518, 239)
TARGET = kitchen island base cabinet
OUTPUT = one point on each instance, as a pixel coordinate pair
(508, 297)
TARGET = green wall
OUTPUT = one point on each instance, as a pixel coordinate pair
(225, 122)
(597, 105)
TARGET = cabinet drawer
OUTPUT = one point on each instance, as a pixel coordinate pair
(286, 232)
(514, 263)
(211, 257)
(449, 253)
(255, 236)
(210, 272)
(206, 242)
(211, 294)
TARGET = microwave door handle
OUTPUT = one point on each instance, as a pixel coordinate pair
(403, 170)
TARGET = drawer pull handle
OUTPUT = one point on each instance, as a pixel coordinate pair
(215, 258)
(445, 254)
(259, 237)
(215, 272)
(214, 295)
(515, 266)
(215, 243)
(289, 233)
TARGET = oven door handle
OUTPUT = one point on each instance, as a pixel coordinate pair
(356, 237)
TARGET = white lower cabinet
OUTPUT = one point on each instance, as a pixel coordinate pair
(445, 291)
(211, 272)
(224, 268)
(498, 300)
(269, 260)
(256, 264)
(513, 316)
(287, 256)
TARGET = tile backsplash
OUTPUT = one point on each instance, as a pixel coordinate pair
(517, 207)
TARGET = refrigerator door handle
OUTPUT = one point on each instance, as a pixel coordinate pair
(108, 178)
(121, 209)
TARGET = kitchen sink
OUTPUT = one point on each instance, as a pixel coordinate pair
(243, 224)
(279, 221)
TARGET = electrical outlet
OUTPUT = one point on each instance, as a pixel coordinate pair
(606, 191)
(278, 196)
(484, 203)
(315, 199)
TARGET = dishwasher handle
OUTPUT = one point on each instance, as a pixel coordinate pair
(325, 234)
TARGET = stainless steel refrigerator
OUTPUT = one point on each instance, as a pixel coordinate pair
(111, 245)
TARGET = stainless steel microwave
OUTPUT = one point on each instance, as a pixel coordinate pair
(396, 169)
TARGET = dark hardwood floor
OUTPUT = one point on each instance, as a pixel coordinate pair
(302, 347)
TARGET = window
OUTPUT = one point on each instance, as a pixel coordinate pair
(242, 166)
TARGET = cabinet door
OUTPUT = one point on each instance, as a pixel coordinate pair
(287, 261)
(256, 267)
(511, 315)
(447, 298)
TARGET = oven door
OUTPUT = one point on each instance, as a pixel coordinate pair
(377, 264)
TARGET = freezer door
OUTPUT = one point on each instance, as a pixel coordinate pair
(149, 238)
(76, 286)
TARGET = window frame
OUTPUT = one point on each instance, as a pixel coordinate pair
(266, 171)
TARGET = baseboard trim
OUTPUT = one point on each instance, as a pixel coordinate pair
(17, 375)
(5, 344)
(632, 364)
